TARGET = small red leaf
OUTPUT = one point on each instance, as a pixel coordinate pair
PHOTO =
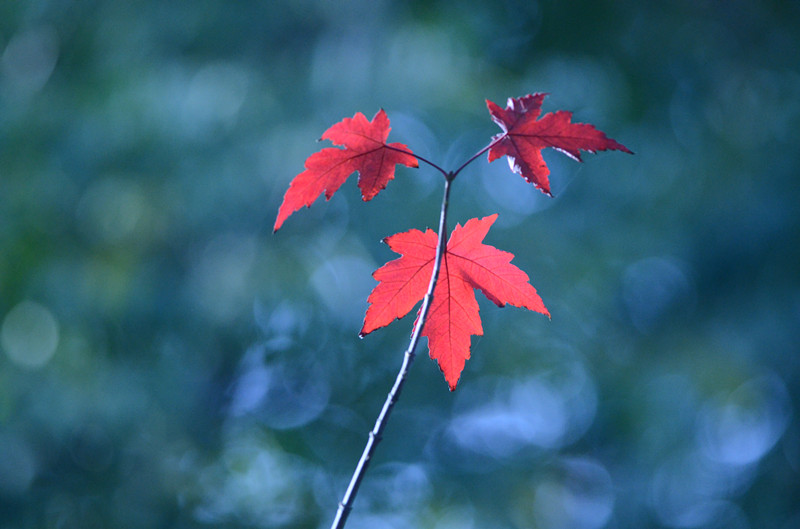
(524, 136)
(365, 150)
(467, 264)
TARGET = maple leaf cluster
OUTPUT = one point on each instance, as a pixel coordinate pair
(467, 263)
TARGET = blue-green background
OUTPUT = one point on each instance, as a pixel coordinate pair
(168, 362)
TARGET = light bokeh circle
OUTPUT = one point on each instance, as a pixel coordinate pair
(29, 335)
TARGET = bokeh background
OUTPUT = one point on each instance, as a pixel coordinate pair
(168, 362)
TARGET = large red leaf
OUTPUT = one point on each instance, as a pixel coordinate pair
(365, 150)
(467, 264)
(524, 136)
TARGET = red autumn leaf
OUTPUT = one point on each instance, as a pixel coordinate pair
(365, 150)
(524, 136)
(453, 317)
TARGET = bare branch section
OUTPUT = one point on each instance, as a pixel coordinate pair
(376, 433)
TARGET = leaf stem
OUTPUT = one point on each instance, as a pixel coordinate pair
(420, 158)
(376, 433)
(452, 174)
(474, 157)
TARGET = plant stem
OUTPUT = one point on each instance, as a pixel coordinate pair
(451, 175)
(376, 434)
(408, 358)
(473, 158)
(421, 159)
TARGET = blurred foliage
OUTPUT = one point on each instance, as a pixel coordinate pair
(169, 362)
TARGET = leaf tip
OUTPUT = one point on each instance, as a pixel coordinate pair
(451, 384)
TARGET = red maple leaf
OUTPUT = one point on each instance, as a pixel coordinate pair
(365, 150)
(524, 136)
(467, 264)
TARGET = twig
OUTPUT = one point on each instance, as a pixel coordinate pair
(375, 435)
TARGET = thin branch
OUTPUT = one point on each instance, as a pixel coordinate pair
(452, 174)
(474, 157)
(408, 358)
(420, 158)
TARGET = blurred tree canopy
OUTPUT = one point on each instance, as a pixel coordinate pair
(166, 361)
